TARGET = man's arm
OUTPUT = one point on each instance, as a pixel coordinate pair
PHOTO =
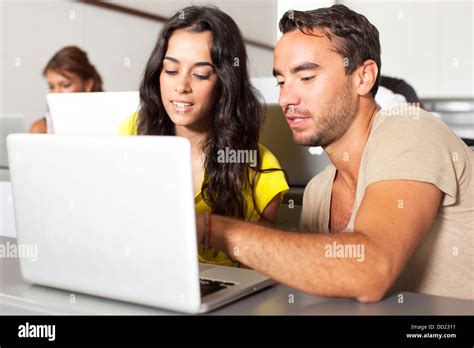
(392, 219)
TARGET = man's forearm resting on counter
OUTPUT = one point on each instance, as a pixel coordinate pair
(386, 235)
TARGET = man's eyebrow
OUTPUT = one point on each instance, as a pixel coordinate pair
(195, 64)
(298, 68)
(305, 66)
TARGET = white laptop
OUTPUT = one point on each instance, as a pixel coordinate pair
(95, 113)
(9, 123)
(114, 217)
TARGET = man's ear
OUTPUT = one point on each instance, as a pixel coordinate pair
(89, 85)
(367, 77)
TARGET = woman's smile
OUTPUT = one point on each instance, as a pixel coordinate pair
(181, 106)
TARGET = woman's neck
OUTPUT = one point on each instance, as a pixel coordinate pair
(196, 138)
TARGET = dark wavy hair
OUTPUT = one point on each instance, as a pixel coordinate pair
(74, 60)
(353, 36)
(237, 111)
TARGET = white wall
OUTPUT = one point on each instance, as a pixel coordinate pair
(427, 43)
(34, 31)
(117, 44)
(254, 17)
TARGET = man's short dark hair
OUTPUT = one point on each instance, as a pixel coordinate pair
(353, 36)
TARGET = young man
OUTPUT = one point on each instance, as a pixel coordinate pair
(393, 210)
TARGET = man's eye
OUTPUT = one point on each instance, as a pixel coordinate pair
(66, 86)
(309, 78)
(171, 72)
(280, 83)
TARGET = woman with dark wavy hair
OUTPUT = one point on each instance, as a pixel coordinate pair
(196, 85)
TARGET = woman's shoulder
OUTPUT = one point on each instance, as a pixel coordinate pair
(128, 127)
(268, 159)
(275, 174)
(39, 126)
(269, 183)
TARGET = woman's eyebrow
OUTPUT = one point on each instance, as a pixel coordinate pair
(195, 64)
(172, 59)
(204, 64)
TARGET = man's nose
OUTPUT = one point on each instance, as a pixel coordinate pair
(288, 97)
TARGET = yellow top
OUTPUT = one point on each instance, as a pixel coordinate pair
(267, 186)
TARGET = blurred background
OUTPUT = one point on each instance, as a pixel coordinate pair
(429, 44)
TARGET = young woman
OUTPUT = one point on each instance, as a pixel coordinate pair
(196, 85)
(68, 71)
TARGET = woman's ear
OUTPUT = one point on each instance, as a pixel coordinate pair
(89, 85)
(367, 77)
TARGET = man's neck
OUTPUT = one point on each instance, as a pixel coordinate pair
(346, 153)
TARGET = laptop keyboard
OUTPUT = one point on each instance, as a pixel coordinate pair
(209, 286)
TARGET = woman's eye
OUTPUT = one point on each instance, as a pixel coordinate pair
(309, 78)
(280, 83)
(66, 86)
(171, 72)
(202, 77)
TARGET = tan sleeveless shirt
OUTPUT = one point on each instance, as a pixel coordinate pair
(416, 146)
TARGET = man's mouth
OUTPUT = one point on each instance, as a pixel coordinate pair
(296, 121)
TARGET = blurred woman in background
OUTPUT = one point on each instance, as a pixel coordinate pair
(68, 71)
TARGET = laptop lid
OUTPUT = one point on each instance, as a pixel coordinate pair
(94, 113)
(9, 123)
(110, 216)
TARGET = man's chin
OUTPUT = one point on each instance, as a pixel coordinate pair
(305, 140)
